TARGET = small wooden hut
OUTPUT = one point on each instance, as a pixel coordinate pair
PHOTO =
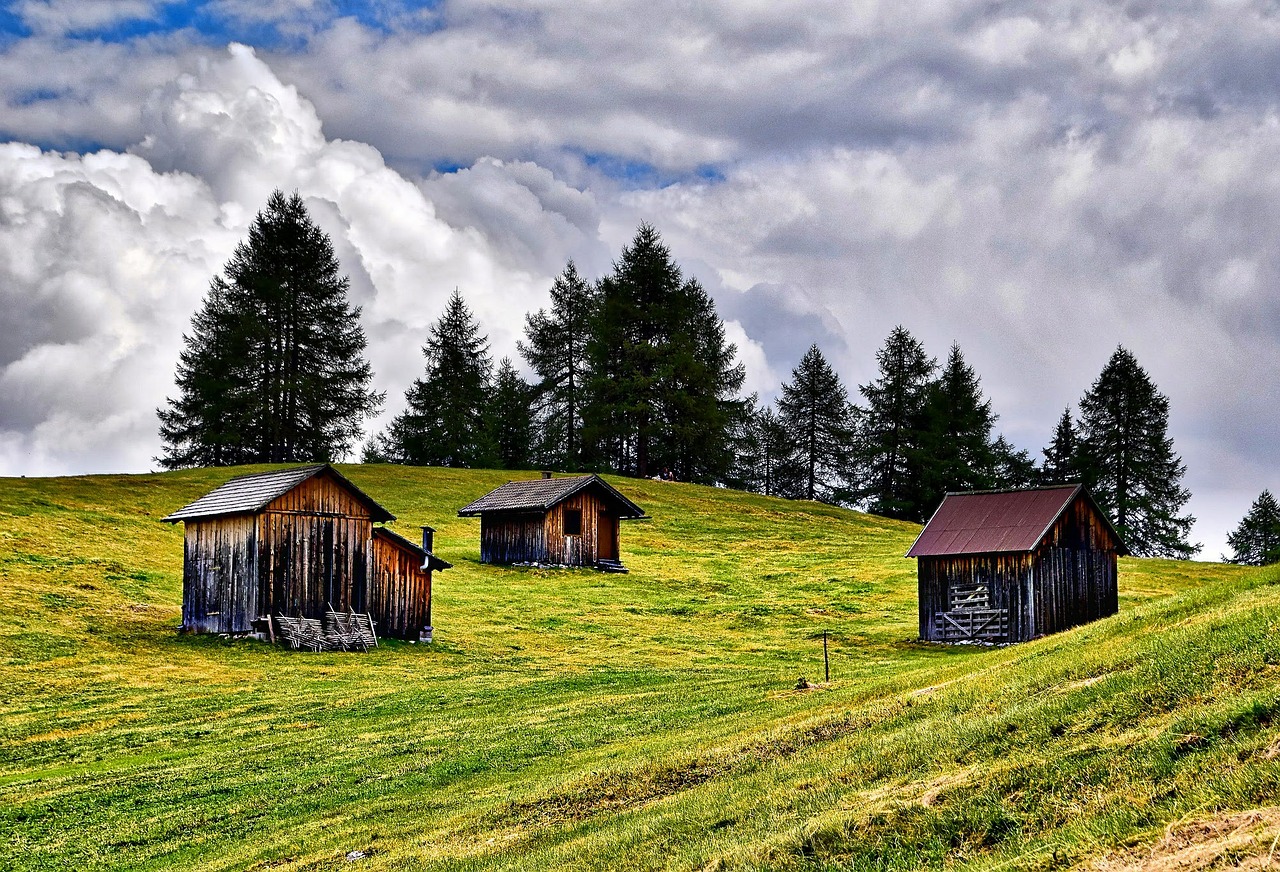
(1007, 566)
(297, 542)
(568, 521)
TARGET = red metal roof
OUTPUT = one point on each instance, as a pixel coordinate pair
(992, 522)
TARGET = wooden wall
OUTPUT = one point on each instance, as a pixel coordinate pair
(582, 549)
(219, 579)
(1070, 579)
(306, 562)
(1005, 580)
(1075, 570)
(400, 593)
(515, 538)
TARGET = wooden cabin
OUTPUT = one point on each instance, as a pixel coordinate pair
(294, 543)
(1008, 566)
(568, 521)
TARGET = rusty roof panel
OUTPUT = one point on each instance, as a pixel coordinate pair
(992, 521)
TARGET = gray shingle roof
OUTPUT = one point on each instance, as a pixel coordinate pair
(246, 494)
(540, 494)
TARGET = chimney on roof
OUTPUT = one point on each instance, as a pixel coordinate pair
(428, 538)
(546, 473)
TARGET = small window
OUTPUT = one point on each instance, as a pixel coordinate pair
(573, 522)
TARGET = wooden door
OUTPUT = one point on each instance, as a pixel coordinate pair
(606, 536)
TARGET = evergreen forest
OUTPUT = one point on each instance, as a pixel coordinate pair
(631, 373)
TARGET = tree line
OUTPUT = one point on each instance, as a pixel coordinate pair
(633, 374)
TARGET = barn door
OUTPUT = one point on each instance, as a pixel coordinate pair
(970, 615)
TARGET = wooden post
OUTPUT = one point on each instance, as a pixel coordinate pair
(826, 662)
(271, 630)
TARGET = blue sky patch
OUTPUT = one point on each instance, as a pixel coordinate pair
(641, 175)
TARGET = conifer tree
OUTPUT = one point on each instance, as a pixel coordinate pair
(1062, 461)
(888, 439)
(764, 455)
(815, 414)
(663, 386)
(511, 417)
(556, 349)
(954, 450)
(1129, 462)
(444, 423)
(1256, 541)
(273, 369)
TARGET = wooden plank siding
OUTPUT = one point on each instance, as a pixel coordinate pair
(400, 600)
(219, 581)
(513, 538)
(309, 562)
(1004, 577)
(581, 549)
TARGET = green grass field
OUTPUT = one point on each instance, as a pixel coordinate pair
(570, 719)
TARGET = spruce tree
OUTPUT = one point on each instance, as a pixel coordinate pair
(273, 369)
(815, 414)
(445, 422)
(556, 349)
(1062, 461)
(1014, 467)
(954, 450)
(1129, 462)
(663, 385)
(889, 435)
(511, 417)
(1256, 541)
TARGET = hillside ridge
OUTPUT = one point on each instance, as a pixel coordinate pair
(569, 719)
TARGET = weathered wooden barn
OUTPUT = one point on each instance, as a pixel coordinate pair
(568, 521)
(293, 543)
(1007, 566)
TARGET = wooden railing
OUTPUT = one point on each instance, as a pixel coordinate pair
(984, 625)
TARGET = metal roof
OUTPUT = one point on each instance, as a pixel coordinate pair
(540, 494)
(247, 494)
(992, 522)
(429, 560)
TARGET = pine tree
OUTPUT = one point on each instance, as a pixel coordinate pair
(888, 440)
(1256, 541)
(511, 417)
(662, 382)
(1129, 462)
(445, 423)
(954, 450)
(557, 351)
(814, 411)
(1062, 461)
(273, 369)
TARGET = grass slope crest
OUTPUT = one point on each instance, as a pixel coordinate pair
(576, 720)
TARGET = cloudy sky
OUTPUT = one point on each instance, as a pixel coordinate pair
(1037, 181)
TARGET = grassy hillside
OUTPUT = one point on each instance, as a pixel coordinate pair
(647, 721)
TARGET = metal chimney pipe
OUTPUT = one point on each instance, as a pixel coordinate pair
(428, 538)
